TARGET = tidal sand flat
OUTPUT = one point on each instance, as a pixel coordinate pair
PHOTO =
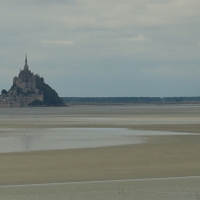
(142, 189)
(161, 156)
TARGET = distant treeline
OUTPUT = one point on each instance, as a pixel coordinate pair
(120, 100)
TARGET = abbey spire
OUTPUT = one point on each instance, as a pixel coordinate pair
(26, 63)
(26, 59)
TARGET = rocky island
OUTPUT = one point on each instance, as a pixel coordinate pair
(29, 89)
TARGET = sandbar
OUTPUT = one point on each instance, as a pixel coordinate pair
(162, 156)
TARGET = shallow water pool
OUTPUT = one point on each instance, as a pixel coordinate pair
(31, 139)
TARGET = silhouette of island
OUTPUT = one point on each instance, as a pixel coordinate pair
(29, 89)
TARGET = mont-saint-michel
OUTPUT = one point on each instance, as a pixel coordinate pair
(29, 89)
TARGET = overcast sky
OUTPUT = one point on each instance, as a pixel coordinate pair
(107, 48)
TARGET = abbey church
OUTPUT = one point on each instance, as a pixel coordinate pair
(29, 89)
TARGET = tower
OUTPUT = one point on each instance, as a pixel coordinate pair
(26, 64)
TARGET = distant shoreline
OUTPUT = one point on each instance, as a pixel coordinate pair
(133, 104)
(129, 100)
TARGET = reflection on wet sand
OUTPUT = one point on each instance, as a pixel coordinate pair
(30, 139)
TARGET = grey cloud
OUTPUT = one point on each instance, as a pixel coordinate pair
(127, 46)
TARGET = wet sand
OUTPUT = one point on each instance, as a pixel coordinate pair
(162, 156)
(140, 189)
(166, 156)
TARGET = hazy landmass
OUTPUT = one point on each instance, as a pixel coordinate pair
(121, 100)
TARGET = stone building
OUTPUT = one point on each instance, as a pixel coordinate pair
(26, 80)
(24, 90)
